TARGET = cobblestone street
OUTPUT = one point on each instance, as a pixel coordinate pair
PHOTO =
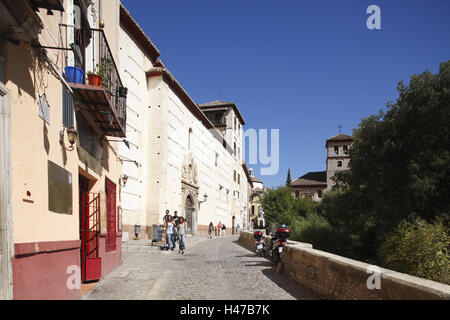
(212, 269)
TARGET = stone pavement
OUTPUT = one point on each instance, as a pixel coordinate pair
(210, 269)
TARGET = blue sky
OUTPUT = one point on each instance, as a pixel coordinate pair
(302, 67)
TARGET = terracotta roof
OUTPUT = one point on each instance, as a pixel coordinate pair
(255, 179)
(311, 179)
(220, 103)
(340, 137)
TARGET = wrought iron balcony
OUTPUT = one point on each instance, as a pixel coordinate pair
(92, 74)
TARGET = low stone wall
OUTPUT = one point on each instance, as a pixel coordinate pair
(331, 276)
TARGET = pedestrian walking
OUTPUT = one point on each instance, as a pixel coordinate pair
(219, 228)
(170, 231)
(210, 229)
(224, 229)
(182, 234)
(238, 228)
(175, 236)
(165, 219)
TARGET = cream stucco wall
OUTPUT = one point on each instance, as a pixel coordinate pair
(34, 142)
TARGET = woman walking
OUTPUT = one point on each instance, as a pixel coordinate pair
(170, 231)
(210, 229)
(182, 234)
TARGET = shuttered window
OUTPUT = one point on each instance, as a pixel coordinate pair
(68, 110)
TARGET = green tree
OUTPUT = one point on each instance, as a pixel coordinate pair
(418, 248)
(288, 180)
(399, 163)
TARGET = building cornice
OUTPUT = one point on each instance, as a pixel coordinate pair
(133, 28)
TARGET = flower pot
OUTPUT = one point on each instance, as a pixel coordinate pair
(74, 75)
(95, 80)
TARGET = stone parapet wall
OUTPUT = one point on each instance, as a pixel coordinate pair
(330, 276)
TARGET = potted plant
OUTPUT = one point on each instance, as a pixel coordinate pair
(94, 79)
(105, 70)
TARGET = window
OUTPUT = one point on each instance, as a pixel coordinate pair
(234, 148)
(345, 150)
(336, 150)
(217, 159)
(234, 177)
(339, 164)
(190, 139)
(319, 194)
(218, 118)
(297, 194)
(68, 110)
(239, 152)
(239, 179)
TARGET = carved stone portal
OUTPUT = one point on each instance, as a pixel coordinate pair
(189, 194)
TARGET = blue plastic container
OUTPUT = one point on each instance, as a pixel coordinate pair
(74, 75)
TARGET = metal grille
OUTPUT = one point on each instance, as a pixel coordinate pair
(68, 111)
(110, 216)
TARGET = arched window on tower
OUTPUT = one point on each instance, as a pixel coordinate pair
(190, 139)
(339, 164)
(345, 150)
(336, 150)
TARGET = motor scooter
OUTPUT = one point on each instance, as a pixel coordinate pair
(260, 245)
(279, 240)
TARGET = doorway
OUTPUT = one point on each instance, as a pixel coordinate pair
(89, 231)
(188, 211)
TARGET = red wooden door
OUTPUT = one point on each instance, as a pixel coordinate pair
(111, 228)
(89, 232)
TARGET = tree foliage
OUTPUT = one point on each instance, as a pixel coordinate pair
(288, 179)
(418, 248)
(399, 165)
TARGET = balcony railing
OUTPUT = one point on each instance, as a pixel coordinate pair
(92, 73)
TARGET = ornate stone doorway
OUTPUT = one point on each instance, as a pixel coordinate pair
(189, 194)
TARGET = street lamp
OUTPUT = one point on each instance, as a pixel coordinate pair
(205, 197)
(124, 180)
(72, 136)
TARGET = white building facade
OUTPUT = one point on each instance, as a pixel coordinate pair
(178, 159)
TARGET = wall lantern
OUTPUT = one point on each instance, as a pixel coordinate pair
(205, 197)
(124, 180)
(72, 136)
